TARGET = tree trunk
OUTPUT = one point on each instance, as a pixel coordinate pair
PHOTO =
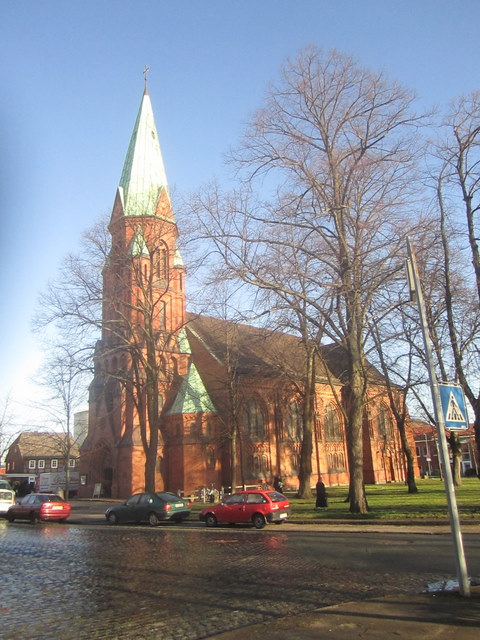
(355, 405)
(233, 457)
(306, 452)
(410, 460)
(456, 449)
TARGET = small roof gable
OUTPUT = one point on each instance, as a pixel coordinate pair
(192, 396)
(138, 246)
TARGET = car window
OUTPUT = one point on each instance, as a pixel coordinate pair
(27, 500)
(276, 497)
(237, 498)
(133, 500)
(145, 499)
(256, 498)
(167, 497)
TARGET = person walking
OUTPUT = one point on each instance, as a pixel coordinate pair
(322, 497)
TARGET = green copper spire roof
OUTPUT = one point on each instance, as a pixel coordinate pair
(192, 396)
(143, 176)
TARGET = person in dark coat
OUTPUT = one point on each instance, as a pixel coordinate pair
(278, 484)
(322, 498)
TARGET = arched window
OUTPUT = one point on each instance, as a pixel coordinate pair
(294, 421)
(253, 420)
(161, 263)
(331, 425)
(260, 467)
(384, 424)
(335, 462)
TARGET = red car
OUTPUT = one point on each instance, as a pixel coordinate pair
(39, 506)
(256, 507)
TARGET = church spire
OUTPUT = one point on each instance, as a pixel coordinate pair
(143, 184)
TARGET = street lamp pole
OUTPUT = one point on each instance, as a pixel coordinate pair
(416, 290)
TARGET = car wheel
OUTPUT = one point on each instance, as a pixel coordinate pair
(210, 520)
(153, 519)
(258, 521)
(33, 518)
(10, 517)
(112, 518)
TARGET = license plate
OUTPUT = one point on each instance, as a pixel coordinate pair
(178, 504)
(57, 508)
(283, 515)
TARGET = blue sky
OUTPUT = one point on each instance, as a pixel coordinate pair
(71, 84)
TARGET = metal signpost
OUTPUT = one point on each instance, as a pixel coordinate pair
(451, 411)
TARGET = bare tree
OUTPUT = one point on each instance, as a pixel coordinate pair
(458, 198)
(336, 146)
(7, 430)
(63, 376)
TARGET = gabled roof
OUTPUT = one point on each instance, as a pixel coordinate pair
(251, 350)
(39, 444)
(143, 178)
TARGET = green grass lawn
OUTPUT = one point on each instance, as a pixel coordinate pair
(392, 502)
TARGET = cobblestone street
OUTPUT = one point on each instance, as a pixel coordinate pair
(170, 582)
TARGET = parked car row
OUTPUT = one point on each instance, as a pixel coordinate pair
(257, 507)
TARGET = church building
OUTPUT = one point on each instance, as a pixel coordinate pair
(173, 390)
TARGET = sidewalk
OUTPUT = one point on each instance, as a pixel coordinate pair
(443, 615)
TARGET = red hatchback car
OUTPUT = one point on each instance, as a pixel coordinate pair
(255, 507)
(39, 506)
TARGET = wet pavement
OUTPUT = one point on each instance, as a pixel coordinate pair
(88, 580)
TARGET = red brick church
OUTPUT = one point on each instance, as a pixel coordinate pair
(208, 373)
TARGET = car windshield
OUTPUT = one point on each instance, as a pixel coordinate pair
(4, 484)
(276, 497)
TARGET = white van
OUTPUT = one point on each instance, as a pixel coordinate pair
(7, 496)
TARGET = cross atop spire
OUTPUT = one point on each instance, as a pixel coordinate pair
(145, 74)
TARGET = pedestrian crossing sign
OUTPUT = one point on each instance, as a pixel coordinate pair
(454, 406)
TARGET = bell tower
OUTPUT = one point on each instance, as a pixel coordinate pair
(141, 357)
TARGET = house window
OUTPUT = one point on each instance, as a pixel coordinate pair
(71, 462)
(54, 463)
(41, 464)
(31, 464)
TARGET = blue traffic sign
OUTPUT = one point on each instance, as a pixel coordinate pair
(454, 406)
